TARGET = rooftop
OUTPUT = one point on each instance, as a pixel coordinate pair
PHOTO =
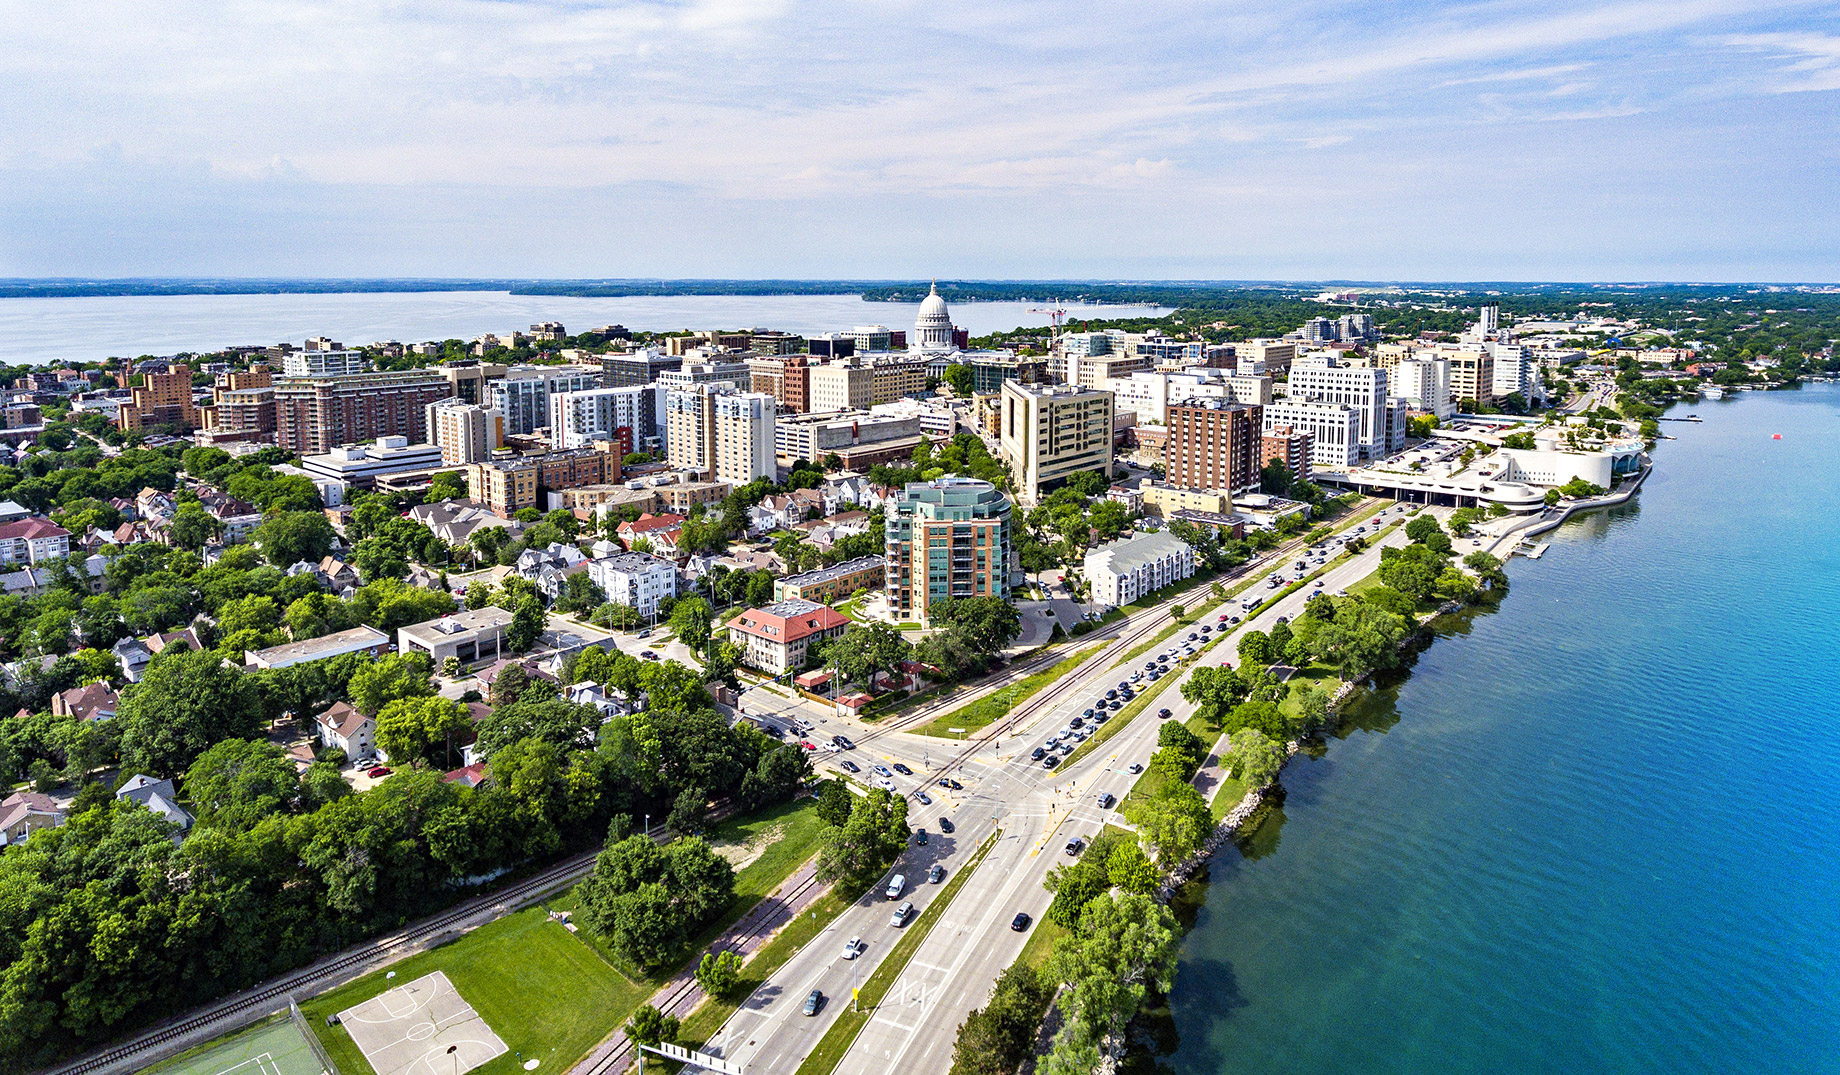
(789, 621)
(837, 571)
(476, 619)
(1135, 552)
(313, 649)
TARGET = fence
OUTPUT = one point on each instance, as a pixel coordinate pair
(313, 1042)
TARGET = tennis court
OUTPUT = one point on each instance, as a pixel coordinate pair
(423, 1027)
(276, 1047)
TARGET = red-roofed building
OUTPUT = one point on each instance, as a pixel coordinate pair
(470, 776)
(32, 540)
(777, 639)
(645, 525)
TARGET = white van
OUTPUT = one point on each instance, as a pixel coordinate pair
(896, 885)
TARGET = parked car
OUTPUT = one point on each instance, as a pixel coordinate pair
(920, 837)
(378, 771)
(814, 1001)
(1020, 922)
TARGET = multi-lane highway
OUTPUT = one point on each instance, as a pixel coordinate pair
(1037, 810)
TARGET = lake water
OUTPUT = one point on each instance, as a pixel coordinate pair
(40, 330)
(1596, 830)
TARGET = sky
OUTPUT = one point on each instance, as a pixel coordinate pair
(1692, 140)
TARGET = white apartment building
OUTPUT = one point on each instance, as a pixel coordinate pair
(744, 437)
(328, 363)
(1049, 432)
(1425, 384)
(522, 396)
(1123, 571)
(1515, 370)
(465, 432)
(1320, 378)
(1335, 430)
(578, 419)
(635, 580)
(32, 540)
(734, 374)
(690, 426)
(840, 386)
(1148, 393)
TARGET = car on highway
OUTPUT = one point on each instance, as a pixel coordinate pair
(1088, 714)
(936, 874)
(850, 766)
(808, 744)
(925, 799)
(902, 769)
(1076, 722)
(1037, 753)
(948, 782)
(884, 783)
(896, 885)
(1111, 694)
(1075, 846)
(902, 913)
(1193, 637)
(648, 655)
(853, 947)
(1134, 768)
(1164, 713)
(1066, 747)
(804, 725)
(843, 741)
(1050, 761)
(814, 1001)
(1102, 718)
(880, 770)
(831, 748)
(945, 824)
(1020, 922)
(1106, 799)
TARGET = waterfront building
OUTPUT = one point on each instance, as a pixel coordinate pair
(314, 415)
(1213, 445)
(1123, 571)
(1050, 432)
(1321, 378)
(946, 539)
(315, 362)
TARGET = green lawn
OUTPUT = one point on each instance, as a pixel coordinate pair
(975, 715)
(837, 1040)
(542, 990)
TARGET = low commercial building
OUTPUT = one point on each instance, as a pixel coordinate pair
(474, 635)
(1165, 500)
(1123, 571)
(596, 499)
(359, 467)
(636, 580)
(857, 437)
(680, 498)
(827, 584)
(779, 638)
(365, 640)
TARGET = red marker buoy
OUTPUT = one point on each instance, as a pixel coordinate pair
(1776, 436)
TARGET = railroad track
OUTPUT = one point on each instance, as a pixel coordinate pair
(262, 1000)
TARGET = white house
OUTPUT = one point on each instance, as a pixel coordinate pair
(635, 579)
(347, 729)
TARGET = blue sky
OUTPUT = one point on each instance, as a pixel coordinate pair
(1688, 139)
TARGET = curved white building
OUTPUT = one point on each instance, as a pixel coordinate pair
(933, 325)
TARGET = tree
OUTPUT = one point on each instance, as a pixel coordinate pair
(1175, 821)
(1129, 869)
(960, 377)
(1125, 946)
(1214, 691)
(1108, 519)
(187, 701)
(691, 621)
(414, 729)
(239, 782)
(855, 853)
(447, 485)
(1253, 758)
(649, 1026)
(993, 1040)
(1254, 648)
(375, 684)
(646, 900)
(1074, 885)
(1488, 570)
(1422, 526)
(293, 536)
(1362, 638)
(1176, 612)
(719, 973)
(988, 624)
(318, 614)
(192, 527)
(527, 623)
(834, 803)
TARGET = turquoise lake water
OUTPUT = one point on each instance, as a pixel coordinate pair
(1594, 830)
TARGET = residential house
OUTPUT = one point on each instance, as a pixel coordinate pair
(24, 813)
(158, 796)
(467, 776)
(92, 701)
(344, 728)
(137, 653)
(32, 540)
(550, 568)
(455, 521)
(150, 503)
(645, 526)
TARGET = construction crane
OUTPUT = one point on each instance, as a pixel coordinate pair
(1055, 317)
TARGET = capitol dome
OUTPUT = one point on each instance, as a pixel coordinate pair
(933, 325)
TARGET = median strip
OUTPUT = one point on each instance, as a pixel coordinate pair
(837, 1040)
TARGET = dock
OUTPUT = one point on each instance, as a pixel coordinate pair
(1532, 550)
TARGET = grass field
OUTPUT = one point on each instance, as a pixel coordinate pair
(975, 715)
(547, 994)
(275, 1046)
(837, 1040)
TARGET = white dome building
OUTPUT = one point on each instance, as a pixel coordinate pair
(933, 326)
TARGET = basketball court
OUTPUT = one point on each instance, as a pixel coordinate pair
(422, 1028)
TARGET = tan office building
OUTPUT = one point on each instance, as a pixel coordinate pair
(1050, 432)
(836, 386)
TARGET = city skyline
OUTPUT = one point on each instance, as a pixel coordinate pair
(1505, 141)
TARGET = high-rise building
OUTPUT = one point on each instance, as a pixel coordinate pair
(631, 415)
(841, 386)
(732, 372)
(639, 367)
(896, 376)
(522, 396)
(1321, 378)
(467, 380)
(871, 338)
(327, 363)
(1213, 445)
(1472, 373)
(690, 426)
(1287, 445)
(314, 415)
(1334, 429)
(947, 539)
(1355, 327)
(465, 432)
(242, 406)
(744, 437)
(161, 399)
(1424, 383)
(786, 379)
(1051, 432)
(763, 342)
(831, 345)
(1514, 371)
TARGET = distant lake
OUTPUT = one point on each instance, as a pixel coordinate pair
(38, 331)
